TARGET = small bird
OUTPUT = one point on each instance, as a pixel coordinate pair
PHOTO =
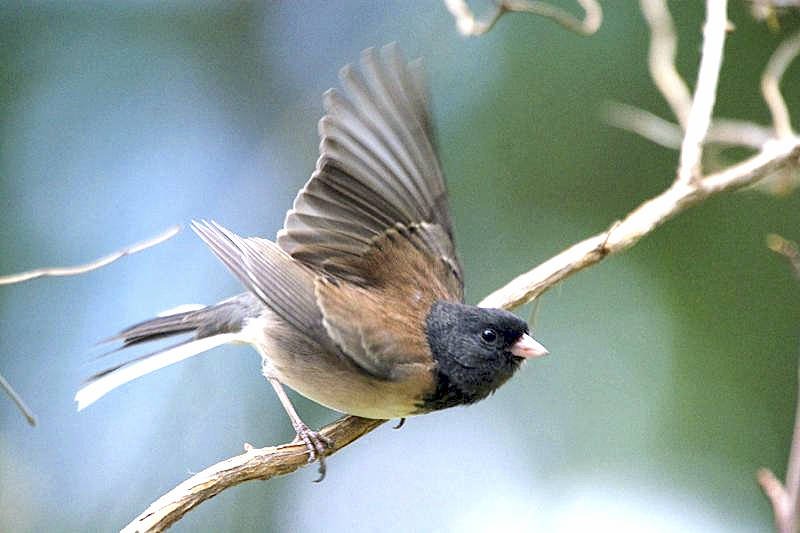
(358, 304)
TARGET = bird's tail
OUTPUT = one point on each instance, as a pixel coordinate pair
(210, 326)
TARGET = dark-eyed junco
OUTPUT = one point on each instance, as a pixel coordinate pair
(358, 303)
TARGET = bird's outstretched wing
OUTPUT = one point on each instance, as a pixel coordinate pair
(377, 170)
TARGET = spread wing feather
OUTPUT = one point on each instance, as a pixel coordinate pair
(377, 168)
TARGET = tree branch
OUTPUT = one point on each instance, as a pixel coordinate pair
(94, 265)
(689, 167)
(770, 81)
(468, 24)
(263, 463)
(18, 401)
(785, 500)
(661, 59)
(723, 131)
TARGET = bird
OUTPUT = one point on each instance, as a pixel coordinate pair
(358, 304)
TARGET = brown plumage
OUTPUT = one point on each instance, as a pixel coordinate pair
(357, 305)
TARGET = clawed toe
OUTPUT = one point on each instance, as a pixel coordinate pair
(317, 445)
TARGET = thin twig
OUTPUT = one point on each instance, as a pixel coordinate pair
(705, 92)
(770, 82)
(728, 132)
(72, 271)
(793, 469)
(640, 222)
(17, 399)
(661, 59)
(643, 123)
(773, 488)
(786, 499)
(88, 267)
(468, 24)
(733, 132)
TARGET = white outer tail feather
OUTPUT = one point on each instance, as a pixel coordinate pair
(91, 392)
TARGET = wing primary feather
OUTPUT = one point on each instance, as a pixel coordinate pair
(371, 128)
(387, 99)
(378, 168)
(361, 142)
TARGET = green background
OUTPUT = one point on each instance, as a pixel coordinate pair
(672, 374)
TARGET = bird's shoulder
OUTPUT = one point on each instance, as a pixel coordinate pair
(375, 306)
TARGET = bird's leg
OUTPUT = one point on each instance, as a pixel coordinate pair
(400, 424)
(317, 444)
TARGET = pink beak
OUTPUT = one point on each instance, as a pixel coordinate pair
(527, 347)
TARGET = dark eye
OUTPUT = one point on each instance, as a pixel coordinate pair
(489, 335)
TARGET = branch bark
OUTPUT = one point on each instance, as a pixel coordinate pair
(94, 265)
(262, 463)
(705, 93)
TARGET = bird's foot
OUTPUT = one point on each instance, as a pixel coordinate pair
(317, 445)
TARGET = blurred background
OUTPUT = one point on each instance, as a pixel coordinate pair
(673, 367)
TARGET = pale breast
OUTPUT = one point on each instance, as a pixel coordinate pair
(334, 380)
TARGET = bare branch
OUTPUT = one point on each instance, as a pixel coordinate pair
(17, 399)
(705, 93)
(640, 222)
(786, 499)
(730, 132)
(793, 470)
(88, 267)
(469, 25)
(263, 463)
(661, 59)
(735, 132)
(643, 123)
(773, 488)
(770, 81)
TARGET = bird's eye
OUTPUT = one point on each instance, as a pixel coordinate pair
(489, 335)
